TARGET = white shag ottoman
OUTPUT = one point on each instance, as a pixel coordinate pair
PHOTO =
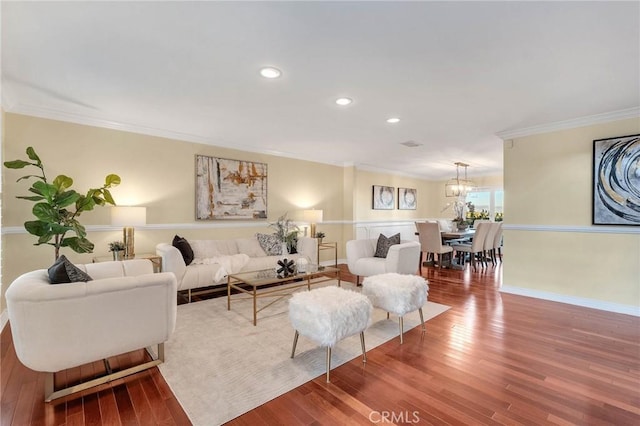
(327, 315)
(398, 294)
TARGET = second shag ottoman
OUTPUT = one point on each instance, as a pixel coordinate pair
(398, 294)
(327, 315)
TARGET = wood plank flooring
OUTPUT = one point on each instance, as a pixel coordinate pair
(491, 359)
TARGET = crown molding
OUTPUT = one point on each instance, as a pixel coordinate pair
(571, 124)
(76, 118)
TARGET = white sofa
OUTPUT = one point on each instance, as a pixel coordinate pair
(123, 308)
(402, 258)
(214, 259)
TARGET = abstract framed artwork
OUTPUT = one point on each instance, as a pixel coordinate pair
(616, 181)
(407, 199)
(383, 197)
(230, 189)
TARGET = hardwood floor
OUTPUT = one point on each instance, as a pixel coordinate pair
(491, 359)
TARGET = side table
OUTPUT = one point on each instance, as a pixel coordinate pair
(154, 258)
(329, 246)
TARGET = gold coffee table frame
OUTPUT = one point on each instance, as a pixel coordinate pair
(258, 279)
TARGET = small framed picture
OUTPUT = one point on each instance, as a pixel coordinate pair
(616, 181)
(407, 199)
(384, 197)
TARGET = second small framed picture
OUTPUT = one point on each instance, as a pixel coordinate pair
(407, 199)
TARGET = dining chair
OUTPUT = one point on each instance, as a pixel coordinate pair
(487, 253)
(497, 243)
(430, 239)
(476, 248)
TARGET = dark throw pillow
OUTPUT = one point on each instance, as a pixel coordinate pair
(63, 271)
(185, 248)
(270, 244)
(384, 243)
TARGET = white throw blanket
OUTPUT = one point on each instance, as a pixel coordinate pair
(228, 264)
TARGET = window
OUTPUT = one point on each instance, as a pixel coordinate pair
(488, 203)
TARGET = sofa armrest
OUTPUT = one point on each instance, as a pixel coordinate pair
(172, 260)
(403, 258)
(308, 247)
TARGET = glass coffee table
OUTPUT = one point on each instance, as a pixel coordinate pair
(250, 282)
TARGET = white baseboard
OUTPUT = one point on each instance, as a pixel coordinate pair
(573, 300)
(4, 319)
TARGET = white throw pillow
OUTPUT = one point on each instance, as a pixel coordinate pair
(250, 247)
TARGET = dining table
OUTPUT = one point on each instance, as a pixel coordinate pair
(452, 237)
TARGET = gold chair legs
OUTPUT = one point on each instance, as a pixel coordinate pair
(401, 324)
(364, 351)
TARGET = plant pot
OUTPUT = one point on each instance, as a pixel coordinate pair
(118, 254)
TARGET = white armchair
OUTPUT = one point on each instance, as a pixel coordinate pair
(402, 258)
(59, 326)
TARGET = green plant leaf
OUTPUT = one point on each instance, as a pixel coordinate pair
(108, 197)
(33, 198)
(37, 227)
(78, 228)
(98, 200)
(17, 164)
(46, 190)
(111, 180)
(62, 182)
(31, 153)
(46, 213)
(44, 239)
(85, 204)
(66, 198)
(79, 245)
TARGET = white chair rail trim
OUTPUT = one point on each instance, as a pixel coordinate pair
(591, 229)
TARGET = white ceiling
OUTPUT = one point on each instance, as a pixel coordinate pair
(455, 73)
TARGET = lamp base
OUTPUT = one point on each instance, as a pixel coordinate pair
(128, 237)
(312, 230)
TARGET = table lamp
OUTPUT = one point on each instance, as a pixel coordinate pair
(313, 217)
(128, 217)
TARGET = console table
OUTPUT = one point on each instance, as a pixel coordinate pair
(329, 246)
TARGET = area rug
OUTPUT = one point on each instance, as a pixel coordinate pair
(220, 366)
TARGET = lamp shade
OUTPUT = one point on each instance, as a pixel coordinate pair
(312, 216)
(128, 216)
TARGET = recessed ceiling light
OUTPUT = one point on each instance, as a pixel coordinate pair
(270, 72)
(344, 101)
(393, 120)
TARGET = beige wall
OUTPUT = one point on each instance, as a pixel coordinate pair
(552, 246)
(159, 174)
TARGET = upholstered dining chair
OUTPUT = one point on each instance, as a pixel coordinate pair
(487, 253)
(476, 248)
(497, 243)
(431, 242)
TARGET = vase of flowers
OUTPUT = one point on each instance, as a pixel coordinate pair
(286, 231)
(117, 248)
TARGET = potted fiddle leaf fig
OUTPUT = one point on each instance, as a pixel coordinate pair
(57, 206)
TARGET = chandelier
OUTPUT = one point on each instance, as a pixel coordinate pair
(459, 187)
